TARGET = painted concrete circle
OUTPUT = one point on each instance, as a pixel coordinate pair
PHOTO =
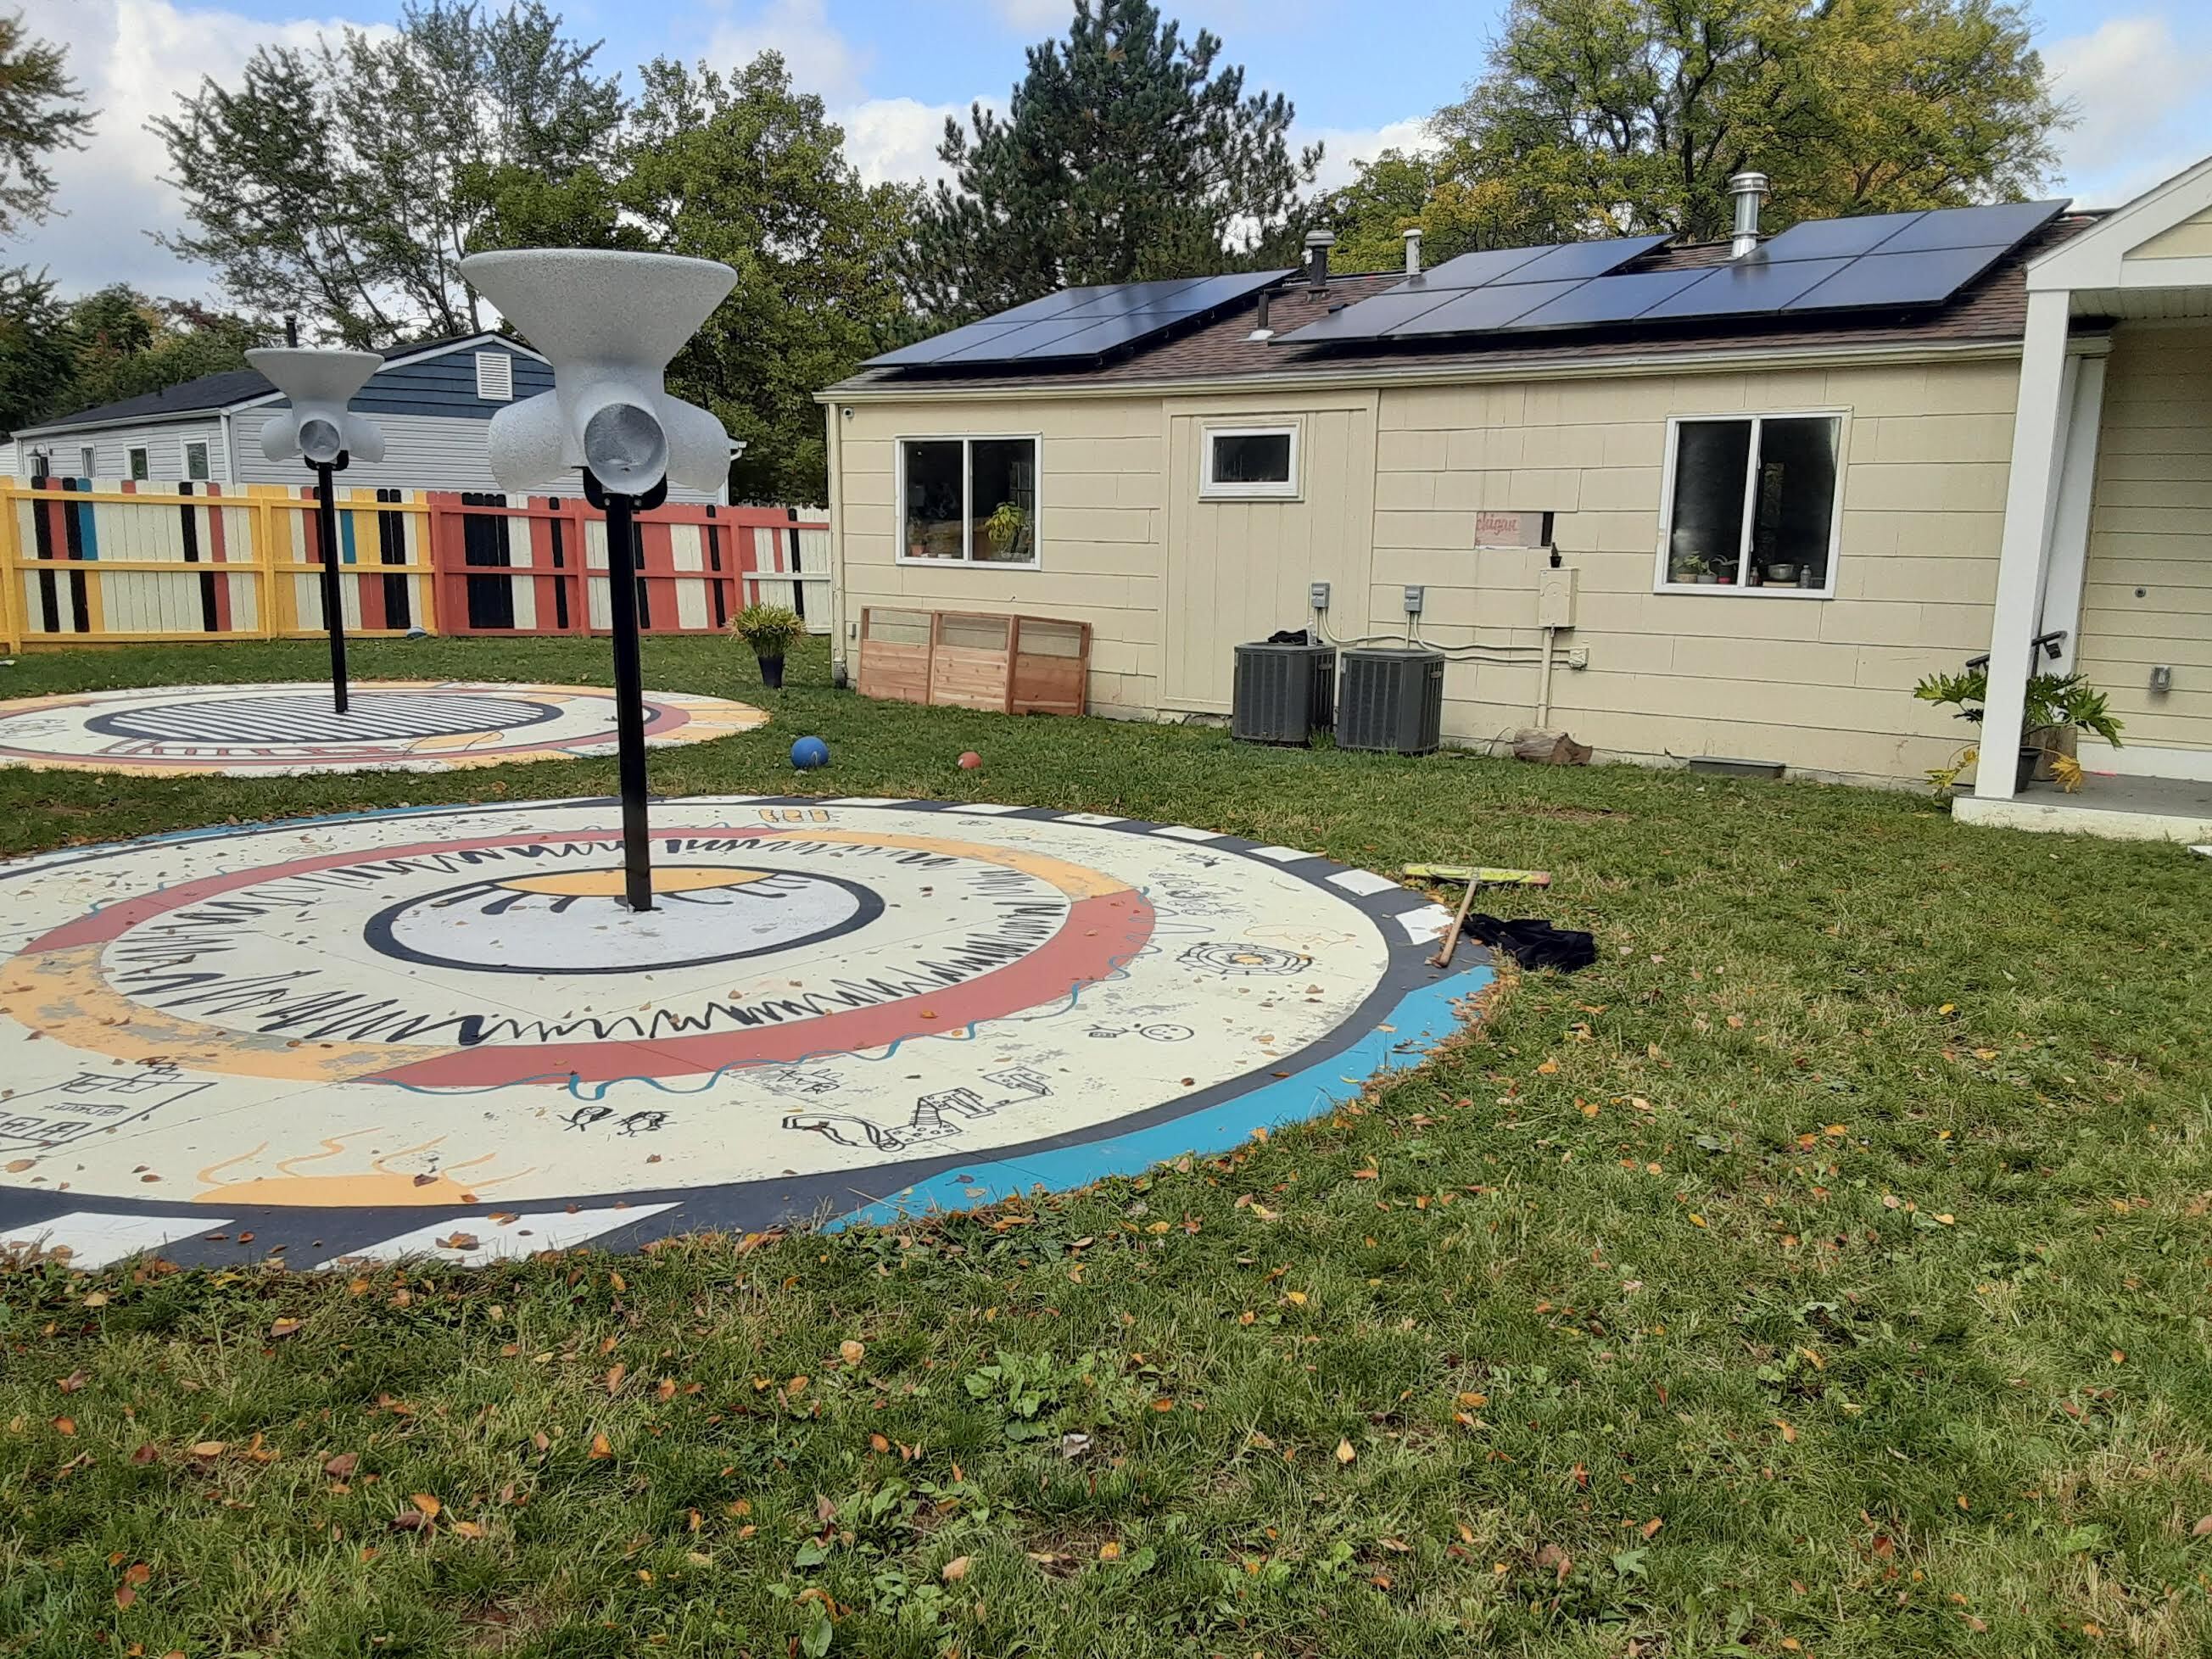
(388, 1032)
(289, 729)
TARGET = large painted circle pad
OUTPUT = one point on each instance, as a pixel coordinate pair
(345, 1028)
(291, 729)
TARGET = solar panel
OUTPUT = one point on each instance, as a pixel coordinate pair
(1899, 279)
(1608, 300)
(1369, 317)
(1745, 288)
(2004, 225)
(1822, 238)
(1474, 270)
(1081, 322)
(1481, 309)
(1578, 261)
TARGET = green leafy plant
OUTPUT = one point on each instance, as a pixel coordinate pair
(1004, 524)
(769, 629)
(2054, 703)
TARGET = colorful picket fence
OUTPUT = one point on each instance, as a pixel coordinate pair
(85, 561)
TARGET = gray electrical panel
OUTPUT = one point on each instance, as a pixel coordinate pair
(1283, 693)
(1391, 700)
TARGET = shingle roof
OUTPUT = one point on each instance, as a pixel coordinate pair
(226, 390)
(1992, 308)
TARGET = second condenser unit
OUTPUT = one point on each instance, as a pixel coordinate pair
(1391, 699)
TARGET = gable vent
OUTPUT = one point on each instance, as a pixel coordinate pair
(495, 377)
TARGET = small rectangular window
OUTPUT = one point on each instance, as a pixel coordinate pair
(968, 500)
(1751, 504)
(495, 377)
(1251, 462)
(196, 460)
(84, 462)
(138, 468)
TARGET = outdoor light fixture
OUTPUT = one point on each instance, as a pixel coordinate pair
(319, 429)
(609, 322)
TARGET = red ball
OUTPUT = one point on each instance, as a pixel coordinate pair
(971, 761)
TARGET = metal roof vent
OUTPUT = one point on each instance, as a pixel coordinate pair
(1263, 330)
(1412, 251)
(1318, 243)
(1747, 189)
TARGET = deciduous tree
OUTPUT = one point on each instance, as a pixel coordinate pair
(41, 111)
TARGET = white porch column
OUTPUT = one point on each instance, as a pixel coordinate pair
(2068, 562)
(2030, 496)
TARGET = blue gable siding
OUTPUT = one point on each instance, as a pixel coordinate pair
(447, 385)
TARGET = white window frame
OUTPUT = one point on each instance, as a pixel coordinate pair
(88, 458)
(1662, 581)
(1212, 490)
(205, 473)
(967, 441)
(135, 458)
(502, 365)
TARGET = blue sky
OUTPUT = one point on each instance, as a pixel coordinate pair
(1361, 78)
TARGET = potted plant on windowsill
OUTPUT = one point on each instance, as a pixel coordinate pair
(770, 630)
(1005, 527)
(2056, 703)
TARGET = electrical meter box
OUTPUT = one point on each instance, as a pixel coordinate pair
(1555, 597)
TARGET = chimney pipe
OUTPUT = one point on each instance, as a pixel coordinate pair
(291, 331)
(1263, 330)
(1749, 189)
(1412, 251)
(1318, 243)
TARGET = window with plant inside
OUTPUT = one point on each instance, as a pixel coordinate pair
(1751, 504)
(968, 500)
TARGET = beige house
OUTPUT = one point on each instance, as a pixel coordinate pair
(1741, 534)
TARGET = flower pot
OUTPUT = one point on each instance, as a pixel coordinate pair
(2031, 757)
(772, 673)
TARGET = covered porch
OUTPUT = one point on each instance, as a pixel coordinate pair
(2106, 562)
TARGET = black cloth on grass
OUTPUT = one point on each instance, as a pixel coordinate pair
(1536, 943)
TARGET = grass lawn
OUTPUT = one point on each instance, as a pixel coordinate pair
(1824, 1272)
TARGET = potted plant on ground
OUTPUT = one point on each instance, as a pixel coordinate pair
(2056, 703)
(770, 630)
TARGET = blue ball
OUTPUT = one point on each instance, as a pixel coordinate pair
(810, 752)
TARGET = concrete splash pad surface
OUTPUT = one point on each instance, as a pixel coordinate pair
(289, 729)
(439, 1030)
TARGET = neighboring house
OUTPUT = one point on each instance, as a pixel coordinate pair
(433, 400)
(1774, 479)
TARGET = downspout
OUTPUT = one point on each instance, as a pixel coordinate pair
(1544, 684)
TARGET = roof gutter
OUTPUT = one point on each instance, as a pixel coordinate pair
(1561, 368)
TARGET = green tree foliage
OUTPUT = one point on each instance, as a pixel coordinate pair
(35, 358)
(1127, 153)
(744, 169)
(1598, 117)
(345, 183)
(123, 344)
(40, 113)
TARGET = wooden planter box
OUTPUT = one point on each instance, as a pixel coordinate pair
(974, 660)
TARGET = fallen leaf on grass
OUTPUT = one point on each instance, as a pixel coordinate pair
(468, 1529)
(424, 1502)
(600, 1448)
(124, 1596)
(66, 1426)
(208, 1448)
(615, 1375)
(1788, 1434)
(2203, 1527)
(955, 1570)
(1344, 1452)
(341, 1467)
(73, 1382)
(284, 1327)
(1109, 1551)
(852, 1353)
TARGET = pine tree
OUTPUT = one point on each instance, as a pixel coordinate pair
(1127, 154)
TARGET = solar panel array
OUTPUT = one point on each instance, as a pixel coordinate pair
(1879, 261)
(1081, 324)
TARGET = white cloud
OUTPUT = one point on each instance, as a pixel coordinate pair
(896, 139)
(1341, 147)
(1049, 17)
(2138, 89)
(133, 58)
(821, 60)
